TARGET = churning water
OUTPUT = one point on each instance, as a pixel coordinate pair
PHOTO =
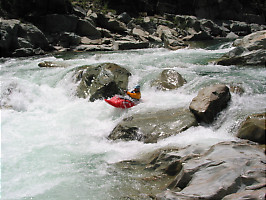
(55, 146)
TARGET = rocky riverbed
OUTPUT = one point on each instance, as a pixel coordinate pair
(225, 170)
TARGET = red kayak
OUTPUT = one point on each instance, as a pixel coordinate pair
(120, 102)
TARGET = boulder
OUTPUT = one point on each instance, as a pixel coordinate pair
(101, 81)
(8, 33)
(152, 126)
(253, 128)
(67, 40)
(111, 23)
(257, 193)
(253, 41)
(168, 80)
(209, 102)
(250, 50)
(125, 45)
(140, 34)
(56, 23)
(21, 39)
(116, 26)
(52, 64)
(170, 37)
(33, 35)
(223, 171)
(124, 17)
(166, 33)
(226, 169)
(240, 28)
(85, 28)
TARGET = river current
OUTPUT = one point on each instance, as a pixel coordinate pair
(55, 146)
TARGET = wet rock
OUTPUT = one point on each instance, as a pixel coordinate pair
(101, 81)
(250, 50)
(237, 89)
(253, 128)
(52, 64)
(152, 171)
(252, 41)
(153, 126)
(223, 171)
(168, 80)
(209, 102)
(226, 168)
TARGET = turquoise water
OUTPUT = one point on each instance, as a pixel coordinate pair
(54, 144)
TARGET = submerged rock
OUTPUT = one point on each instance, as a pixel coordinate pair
(52, 64)
(152, 126)
(209, 102)
(253, 128)
(101, 81)
(168, 80)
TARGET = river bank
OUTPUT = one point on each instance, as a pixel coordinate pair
(72, 28)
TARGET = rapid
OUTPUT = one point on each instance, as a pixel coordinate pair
(54, 145)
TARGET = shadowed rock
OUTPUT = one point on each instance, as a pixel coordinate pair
(101, 81)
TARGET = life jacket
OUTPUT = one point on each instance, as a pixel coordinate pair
(134, 95)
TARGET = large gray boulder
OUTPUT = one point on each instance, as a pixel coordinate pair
(250, 50)
(209, 102)
(169, 79)
(101, 81)
(253, 128)
(151, 126)
(225, 169)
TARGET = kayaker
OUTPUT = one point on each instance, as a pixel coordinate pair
(135, 94)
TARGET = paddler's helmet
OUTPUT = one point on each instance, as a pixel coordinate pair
(137, 88)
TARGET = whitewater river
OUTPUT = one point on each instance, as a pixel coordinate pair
(55, 146)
